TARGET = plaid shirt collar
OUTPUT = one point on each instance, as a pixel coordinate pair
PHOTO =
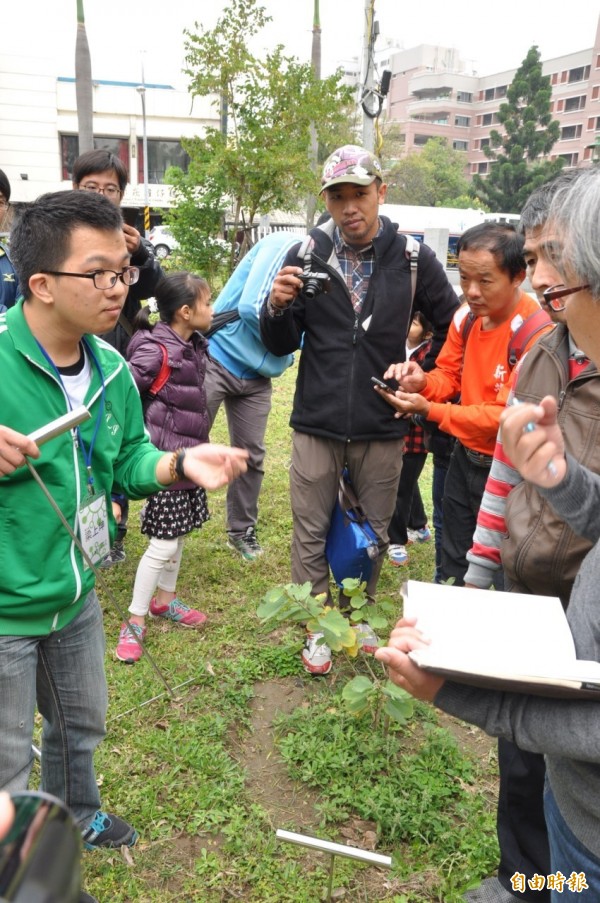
(356, 265)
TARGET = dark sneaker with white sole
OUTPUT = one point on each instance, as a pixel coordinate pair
(109, 831)
(246, 544)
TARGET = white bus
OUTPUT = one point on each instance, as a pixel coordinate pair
(415, 220)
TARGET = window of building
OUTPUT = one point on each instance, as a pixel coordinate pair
(578, 74)
(482, 168)
(569, 132)
(161, 155)
(486, 119)
(421, 140)
(501, 91)
(69, 151)
(574, 103)
(464, 97)
(570, 159)
(485, 142)
(463, 121)
(597, 126)
(460, 145)
(489, 94)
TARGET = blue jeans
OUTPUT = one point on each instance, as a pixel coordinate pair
(568, 855)
(64, 673)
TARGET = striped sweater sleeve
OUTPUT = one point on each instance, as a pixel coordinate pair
(484, 555)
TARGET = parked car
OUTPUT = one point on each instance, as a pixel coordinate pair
(163, 241)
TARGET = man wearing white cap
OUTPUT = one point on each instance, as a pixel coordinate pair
(352, 323)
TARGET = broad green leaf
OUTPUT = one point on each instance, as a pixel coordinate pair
(357, 694)
(395, 692)
(377, 622)
(398, 710)
(272, 608)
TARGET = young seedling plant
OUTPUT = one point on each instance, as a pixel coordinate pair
(363, 693)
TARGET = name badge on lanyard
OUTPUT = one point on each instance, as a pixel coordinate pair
(93, 528)
(92, 513)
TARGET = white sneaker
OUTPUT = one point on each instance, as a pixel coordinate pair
(423, 534)
(367, 638)
(316, 655)
(398, 555)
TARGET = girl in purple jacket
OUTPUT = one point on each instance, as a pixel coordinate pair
(176, 417)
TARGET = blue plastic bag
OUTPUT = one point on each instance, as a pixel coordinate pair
(351, 546)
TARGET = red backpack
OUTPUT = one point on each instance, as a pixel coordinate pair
(520, 338)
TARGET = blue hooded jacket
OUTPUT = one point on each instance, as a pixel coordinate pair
(238, 346)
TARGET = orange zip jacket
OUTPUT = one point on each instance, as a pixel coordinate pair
(480, 373)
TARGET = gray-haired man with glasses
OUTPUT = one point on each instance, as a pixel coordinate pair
(519, 531)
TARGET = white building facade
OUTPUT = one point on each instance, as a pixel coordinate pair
(39, 132)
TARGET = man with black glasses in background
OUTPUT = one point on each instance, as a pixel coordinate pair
(103, 173)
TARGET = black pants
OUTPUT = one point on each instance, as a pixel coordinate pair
(463, 490)
(122, 525)
(522, 833)
(409, 510)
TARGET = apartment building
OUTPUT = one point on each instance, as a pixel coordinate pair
(435, 93)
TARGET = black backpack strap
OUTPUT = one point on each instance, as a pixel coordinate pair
(467, 326)
(221, 319)
(125, 324)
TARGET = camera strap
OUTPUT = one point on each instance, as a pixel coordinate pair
(305, 253)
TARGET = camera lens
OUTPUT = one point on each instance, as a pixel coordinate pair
(311, 288)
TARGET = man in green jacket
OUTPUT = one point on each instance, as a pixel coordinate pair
(70, 255)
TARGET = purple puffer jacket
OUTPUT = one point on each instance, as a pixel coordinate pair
(178, 417)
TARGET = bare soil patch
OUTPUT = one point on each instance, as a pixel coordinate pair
(289, 805)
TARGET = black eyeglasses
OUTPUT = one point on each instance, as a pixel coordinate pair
(104, 279)
(553, 295)
(110, 191)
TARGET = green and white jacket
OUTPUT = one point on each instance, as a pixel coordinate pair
(43, 581)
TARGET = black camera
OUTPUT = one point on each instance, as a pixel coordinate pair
(314, 283)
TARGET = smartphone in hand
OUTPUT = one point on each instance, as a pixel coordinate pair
(382, 385)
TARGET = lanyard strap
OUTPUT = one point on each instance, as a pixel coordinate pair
(89, 451)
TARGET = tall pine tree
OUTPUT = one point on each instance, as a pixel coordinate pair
(517, 159)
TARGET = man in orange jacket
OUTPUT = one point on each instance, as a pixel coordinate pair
(475, 364)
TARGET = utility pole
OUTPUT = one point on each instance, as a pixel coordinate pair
(83, 84)
(141, 89)
(313, 152)
(368, 100)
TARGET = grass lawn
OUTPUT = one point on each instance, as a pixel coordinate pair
(248, 743)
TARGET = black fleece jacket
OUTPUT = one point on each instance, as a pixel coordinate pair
(341, 352)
